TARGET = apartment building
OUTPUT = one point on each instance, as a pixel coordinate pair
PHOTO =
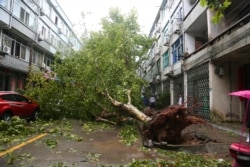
(193, 57)
(31, 33)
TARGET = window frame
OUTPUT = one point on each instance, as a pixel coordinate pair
(177, 50)
(166, 60)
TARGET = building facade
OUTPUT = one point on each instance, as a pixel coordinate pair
(31, 33)
(193, 57)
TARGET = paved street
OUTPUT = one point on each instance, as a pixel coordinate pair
(101, 147)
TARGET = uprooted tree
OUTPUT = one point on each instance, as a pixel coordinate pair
(101, 80)
(163, 126)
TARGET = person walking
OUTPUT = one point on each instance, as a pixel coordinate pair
(180, 100)
(152, 101)
(145, 100)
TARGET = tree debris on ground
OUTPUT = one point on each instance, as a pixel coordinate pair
(163, 126)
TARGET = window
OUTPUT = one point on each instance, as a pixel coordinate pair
(25, 14)
(47, 62)
(43, 30)
(36, 58)
(179, 14)
(61, 27)
(9, 97)
(32, 20)
(167, 31)
(5, 3)
(20, 50)
(23, 52)
(16, 49)
(20, 98)
(47, 34)
(158, 65)
(52, 40)
(17, 8)
(46, 8)
(177, 50)
(12, 47)
(33, 59)
(22, 15)
(165, 62)
(39, 59)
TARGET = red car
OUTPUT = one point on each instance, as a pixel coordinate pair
(15, 104)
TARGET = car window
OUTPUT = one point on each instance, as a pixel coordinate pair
(20, 98)
(9, 97)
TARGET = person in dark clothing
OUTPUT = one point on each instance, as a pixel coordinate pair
(145, 100)
(152, 101)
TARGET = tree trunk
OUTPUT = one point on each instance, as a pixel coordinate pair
(161, 126)
(129, 108)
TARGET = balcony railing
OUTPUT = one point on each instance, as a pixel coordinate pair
(15, 63)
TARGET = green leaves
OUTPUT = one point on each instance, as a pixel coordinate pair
(107, 62)
(93, 157)
(218, 6)
(92, 126)
(51, 143)
(179, 159)
(15, 129)
(128, 134)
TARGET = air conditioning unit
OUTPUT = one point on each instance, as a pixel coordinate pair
(191, 2)
(42, 13)
(170, 73)
(177, 31)
(40, 37)
(185, 55)
(6, 49)
(166, 43)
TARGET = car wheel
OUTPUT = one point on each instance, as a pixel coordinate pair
(35, 115)
(6, 116)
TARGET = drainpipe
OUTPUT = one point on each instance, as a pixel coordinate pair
(1, 37)
(30, 58)
(230, 87)
(11, 13)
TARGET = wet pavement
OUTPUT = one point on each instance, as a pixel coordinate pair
(102, 147)
(223, 134)
(97, 148)
(236, 128)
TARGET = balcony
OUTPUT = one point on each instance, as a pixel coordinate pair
(14, 63)
(4, 18)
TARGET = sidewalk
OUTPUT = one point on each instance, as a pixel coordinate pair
(235, 128)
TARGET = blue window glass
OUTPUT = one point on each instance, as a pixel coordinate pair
(165, 60)
(177, 50)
